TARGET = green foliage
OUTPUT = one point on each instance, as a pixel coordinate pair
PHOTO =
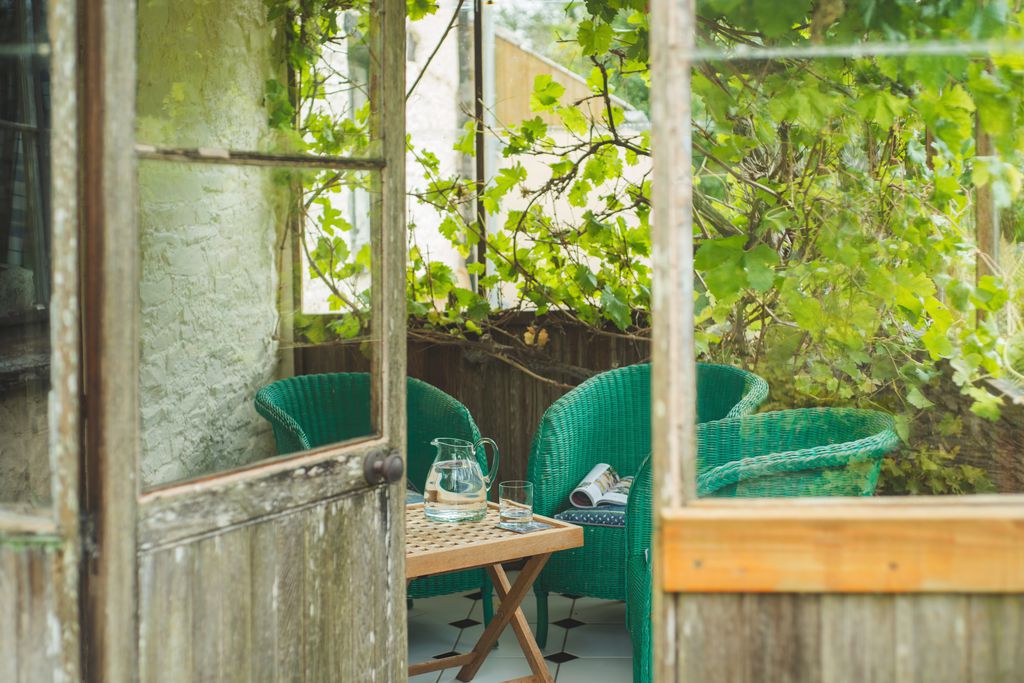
(925, 471)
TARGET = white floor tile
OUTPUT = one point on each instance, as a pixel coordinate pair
(599, 640)
(444, 608)
(594, 670)
(429, 637)
(595, 611)
(496, 669)
(508, 644)
(425, 678)
(559, 607)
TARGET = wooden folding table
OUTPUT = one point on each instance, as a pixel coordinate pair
(437, 548)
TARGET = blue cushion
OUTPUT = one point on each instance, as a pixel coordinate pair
(604, 515)
(412, 494)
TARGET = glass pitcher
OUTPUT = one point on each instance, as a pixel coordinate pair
(456, 489)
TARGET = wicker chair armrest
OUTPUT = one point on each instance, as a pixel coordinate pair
(833, 455)
(755, 393)
(286, 428)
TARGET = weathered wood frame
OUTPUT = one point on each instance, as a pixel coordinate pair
(177, 512)
(58, 527)
(125, 521)
(689, 533)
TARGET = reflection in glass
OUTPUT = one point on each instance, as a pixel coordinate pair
(729, 26)
(225, 253)
(24, 256)
(258, 76)
(859, 245)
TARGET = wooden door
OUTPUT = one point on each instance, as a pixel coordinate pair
(39, 345)
(230, 553)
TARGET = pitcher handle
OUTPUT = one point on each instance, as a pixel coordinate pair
(492, 470)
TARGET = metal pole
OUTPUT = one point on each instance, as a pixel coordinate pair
(478, 116)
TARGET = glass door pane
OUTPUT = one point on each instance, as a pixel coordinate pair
(24, 254)
(243, 269)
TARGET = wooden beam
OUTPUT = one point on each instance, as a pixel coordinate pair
(389, 307)
(16, 524)
(986, 219)
(111, 340)
(673, 360)
(442, 663)
(208, 155)
(850, 547)
(183, 512)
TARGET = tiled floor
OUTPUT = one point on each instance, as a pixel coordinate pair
(587, 639)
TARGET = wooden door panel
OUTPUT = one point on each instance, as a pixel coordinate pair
(943, 638)
(304, 596)
(30, 629)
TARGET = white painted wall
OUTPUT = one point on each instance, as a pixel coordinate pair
(432, 120)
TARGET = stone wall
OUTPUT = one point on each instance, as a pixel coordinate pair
(209, 237)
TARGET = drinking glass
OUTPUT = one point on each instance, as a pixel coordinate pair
(515, 500)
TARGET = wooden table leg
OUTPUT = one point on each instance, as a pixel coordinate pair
(522, 629)
(509, 612)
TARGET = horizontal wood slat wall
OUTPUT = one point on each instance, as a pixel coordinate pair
(801, 638)
(29, 652)
(875, 546)
(506, 403)
(273, 601)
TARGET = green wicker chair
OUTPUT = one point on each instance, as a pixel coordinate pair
(638, 573)
(607, 419)
(809, 452)
(314, 410)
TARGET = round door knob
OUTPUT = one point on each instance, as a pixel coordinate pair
(380, 467)
(393, 468)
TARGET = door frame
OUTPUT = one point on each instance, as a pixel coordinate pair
(57, 526)
(907, 540)
(124, 520)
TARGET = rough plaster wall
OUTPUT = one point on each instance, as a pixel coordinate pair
(24, 452)
(208, 233)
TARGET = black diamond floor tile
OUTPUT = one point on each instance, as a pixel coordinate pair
(463, 623)
(561, 657)
(475, 596)
(445, 655)
(568, 623)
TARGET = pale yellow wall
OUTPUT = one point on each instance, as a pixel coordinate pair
(515, 71)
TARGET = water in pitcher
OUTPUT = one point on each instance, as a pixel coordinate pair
(455, 492)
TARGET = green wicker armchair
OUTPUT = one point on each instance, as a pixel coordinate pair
(607, 419)
(314, 410)
(638, 573)
(809, 452)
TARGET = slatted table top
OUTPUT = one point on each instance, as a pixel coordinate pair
(437, 547)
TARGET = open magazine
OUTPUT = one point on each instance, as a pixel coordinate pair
(601, 486)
